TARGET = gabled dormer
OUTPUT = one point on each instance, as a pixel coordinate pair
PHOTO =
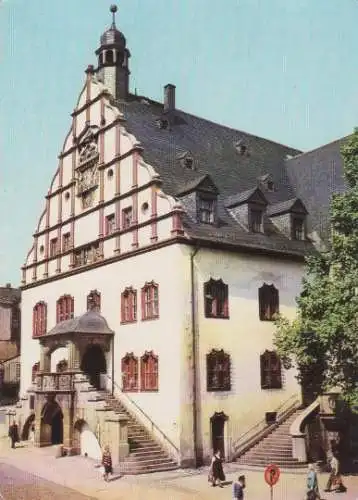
(248, 208)
(289, 217)
(199, 198)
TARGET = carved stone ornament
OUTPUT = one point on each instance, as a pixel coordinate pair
(87, 173)
(87, 198)
(64, 382)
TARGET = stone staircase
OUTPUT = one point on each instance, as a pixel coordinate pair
(275, 448)
(145, 454)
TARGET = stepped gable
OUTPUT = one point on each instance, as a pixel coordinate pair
(234, 160)
(315, 176)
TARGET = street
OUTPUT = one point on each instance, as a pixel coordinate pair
(16, 484)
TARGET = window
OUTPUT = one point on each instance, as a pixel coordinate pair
(127, 217)
(149, 372)
(268, 302)
(150, 301)
(218, 371)
(94, 301)
(39, 319)
(256, 220)
(53, 247)
(216, 299)
(130, 373)
(35, 370)
(129, 305)
(64, 308)
(206, 210)
(66, 242)
(270, 366)
(298, 228)
(87, 255)
(110, 224)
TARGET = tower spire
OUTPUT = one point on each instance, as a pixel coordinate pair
(113, 8)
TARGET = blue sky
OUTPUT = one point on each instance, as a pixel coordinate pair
(282, 69)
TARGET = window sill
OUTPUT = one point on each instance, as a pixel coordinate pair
(128, 321)
(149, 390)
(216, 317)
(218, 390)
(129, 390)
(149, 318)
(267, 319)
(272, 388)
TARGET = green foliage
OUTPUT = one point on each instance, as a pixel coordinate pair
(322, 340)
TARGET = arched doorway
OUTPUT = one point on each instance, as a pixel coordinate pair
(52, 423)
(218, 432)
(26, 428)
(93, 364)
(87, 441)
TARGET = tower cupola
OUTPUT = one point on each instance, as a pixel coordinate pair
(113, 56)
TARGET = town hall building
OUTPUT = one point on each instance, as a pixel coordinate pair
(166, 248)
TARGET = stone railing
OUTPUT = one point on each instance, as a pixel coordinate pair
(51, 382)
(298, 434)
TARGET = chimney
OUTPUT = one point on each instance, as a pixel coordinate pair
(8, 285)
(169, 97)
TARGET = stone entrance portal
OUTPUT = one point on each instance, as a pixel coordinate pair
(87, 339)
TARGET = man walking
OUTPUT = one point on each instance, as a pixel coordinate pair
(238, 488)
(14, 434)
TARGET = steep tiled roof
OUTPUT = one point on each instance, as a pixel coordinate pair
(212, 147)
(315, 176)
(283, 206)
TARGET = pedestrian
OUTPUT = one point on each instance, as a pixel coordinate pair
(14, 434)
(216, 470)
(238, 488)
(335, 478)
(312, 484)
(32, 434)
(107, 463)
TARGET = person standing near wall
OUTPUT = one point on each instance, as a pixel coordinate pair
(107, 463)
(14, 434)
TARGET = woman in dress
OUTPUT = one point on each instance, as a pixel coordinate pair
(107, 463)
(216, 469)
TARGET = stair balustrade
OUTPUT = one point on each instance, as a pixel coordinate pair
(298, 434)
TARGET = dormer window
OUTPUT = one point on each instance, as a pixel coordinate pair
(206, 210)
(270, 185)
(256, 218)
(298, 228)
(188, 162)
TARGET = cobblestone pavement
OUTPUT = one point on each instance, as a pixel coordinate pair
(16, 484)
(77, 475)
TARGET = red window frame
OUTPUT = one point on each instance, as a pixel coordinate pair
(150, 301)
(94, 301)
(53, 247)
(271, 370)
(218, 372)
(129, 305)
(149, 372)
(64, 308)
(127, 217)
(216, 299)
(269, 304)
(130, 373)
(66, 242)
(110, 224)
(39, 319)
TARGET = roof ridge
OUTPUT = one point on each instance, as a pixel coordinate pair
(319, 147)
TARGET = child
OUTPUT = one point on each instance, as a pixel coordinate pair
(238, 488)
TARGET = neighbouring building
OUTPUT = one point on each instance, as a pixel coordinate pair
(166, 247)
(10, 299)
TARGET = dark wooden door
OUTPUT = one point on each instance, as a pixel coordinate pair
(217, 434)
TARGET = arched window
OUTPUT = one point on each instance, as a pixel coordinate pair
(35, 370)
(64, 308)
(216, 299)
(94, 301)
(129, 305)
(39, 319)
(149, 372)
(218, 371)
(150, 301)
(270, 366)
(109, 56)
(130, 372)
(268, 302)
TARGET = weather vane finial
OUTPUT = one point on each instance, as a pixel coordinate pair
(113, 9)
